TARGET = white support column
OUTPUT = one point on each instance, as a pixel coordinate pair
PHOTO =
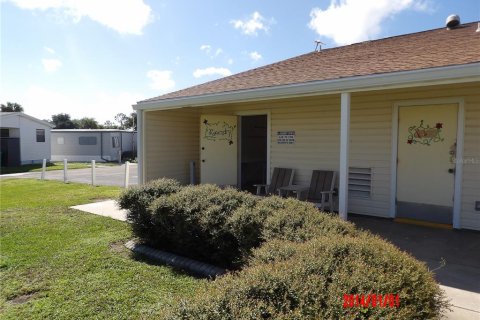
(344, 159)
(140, 140)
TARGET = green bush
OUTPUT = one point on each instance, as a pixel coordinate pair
(194, 222)
(137, 201)
(220, 226)
(291, 280)
(279, 218)
(300, 221)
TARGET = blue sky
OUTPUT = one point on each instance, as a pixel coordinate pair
(95, 58)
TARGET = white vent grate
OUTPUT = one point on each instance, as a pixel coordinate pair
(360, 182)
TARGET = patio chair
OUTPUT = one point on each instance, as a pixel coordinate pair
(281, 177)
(322, 189)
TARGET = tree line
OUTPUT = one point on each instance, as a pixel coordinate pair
(64, 120)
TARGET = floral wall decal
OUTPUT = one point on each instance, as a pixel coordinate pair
(425, 135)
(220, 130)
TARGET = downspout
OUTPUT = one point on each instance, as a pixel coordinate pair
(101, 147)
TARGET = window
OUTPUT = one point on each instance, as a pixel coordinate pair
(60, 140)
(360, 182)
(40, 135)
(5, 133)
(87, 141)
(115, 142)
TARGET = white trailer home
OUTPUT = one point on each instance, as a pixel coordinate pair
(84, 145)
(24, 139)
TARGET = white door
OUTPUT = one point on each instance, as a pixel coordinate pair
(218, 149)
(426, 162)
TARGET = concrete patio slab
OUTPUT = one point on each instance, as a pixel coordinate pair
(452, 255)
(107, 208)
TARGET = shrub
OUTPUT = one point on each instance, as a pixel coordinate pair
(288, 280)
(300, 221)
(279, 218)
(220, 226)
(193, 222)
(137, 201)
(129, 155)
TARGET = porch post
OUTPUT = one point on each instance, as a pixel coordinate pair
(344, 146)
(140, 158)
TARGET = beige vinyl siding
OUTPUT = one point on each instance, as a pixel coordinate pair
(171, 142)
(370, 141)
(470, 218)
(316, 122)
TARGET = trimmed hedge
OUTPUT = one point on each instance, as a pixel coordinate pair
(137, 200)
(193, 223)
(289, 280)
(295, 262)
(220, 226)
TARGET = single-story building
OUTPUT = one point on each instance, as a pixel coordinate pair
(85, 145)
(397, 118)
(24, 139)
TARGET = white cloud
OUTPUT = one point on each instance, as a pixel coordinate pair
(350, 21)
(206, 48)
(211, 71)
(49, 50)
(125, 17)
(161, 80)
(252, 25)
(255, 56)
(230, 61)
(51, 65)
(209, 50)
(42, 102)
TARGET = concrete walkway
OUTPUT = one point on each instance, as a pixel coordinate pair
(107, 208)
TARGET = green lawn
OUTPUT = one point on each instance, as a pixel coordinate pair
(37, 167)
(59, 263)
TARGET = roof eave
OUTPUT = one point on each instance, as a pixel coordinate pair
(24, 115)
(422, 77)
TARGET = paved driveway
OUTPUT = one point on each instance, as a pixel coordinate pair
(108, 175)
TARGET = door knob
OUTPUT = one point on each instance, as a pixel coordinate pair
(203, 160)
(451, 170)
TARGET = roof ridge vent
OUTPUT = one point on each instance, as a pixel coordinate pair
(452, 21)
(318, 45)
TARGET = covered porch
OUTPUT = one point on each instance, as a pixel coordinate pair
(355, 133)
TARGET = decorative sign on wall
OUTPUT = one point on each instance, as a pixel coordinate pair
(286, 137)
(425, 135)
(218, 131)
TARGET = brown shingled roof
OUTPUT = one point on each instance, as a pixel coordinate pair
(427, 49)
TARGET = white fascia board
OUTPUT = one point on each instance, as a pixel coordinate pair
(403, 79)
